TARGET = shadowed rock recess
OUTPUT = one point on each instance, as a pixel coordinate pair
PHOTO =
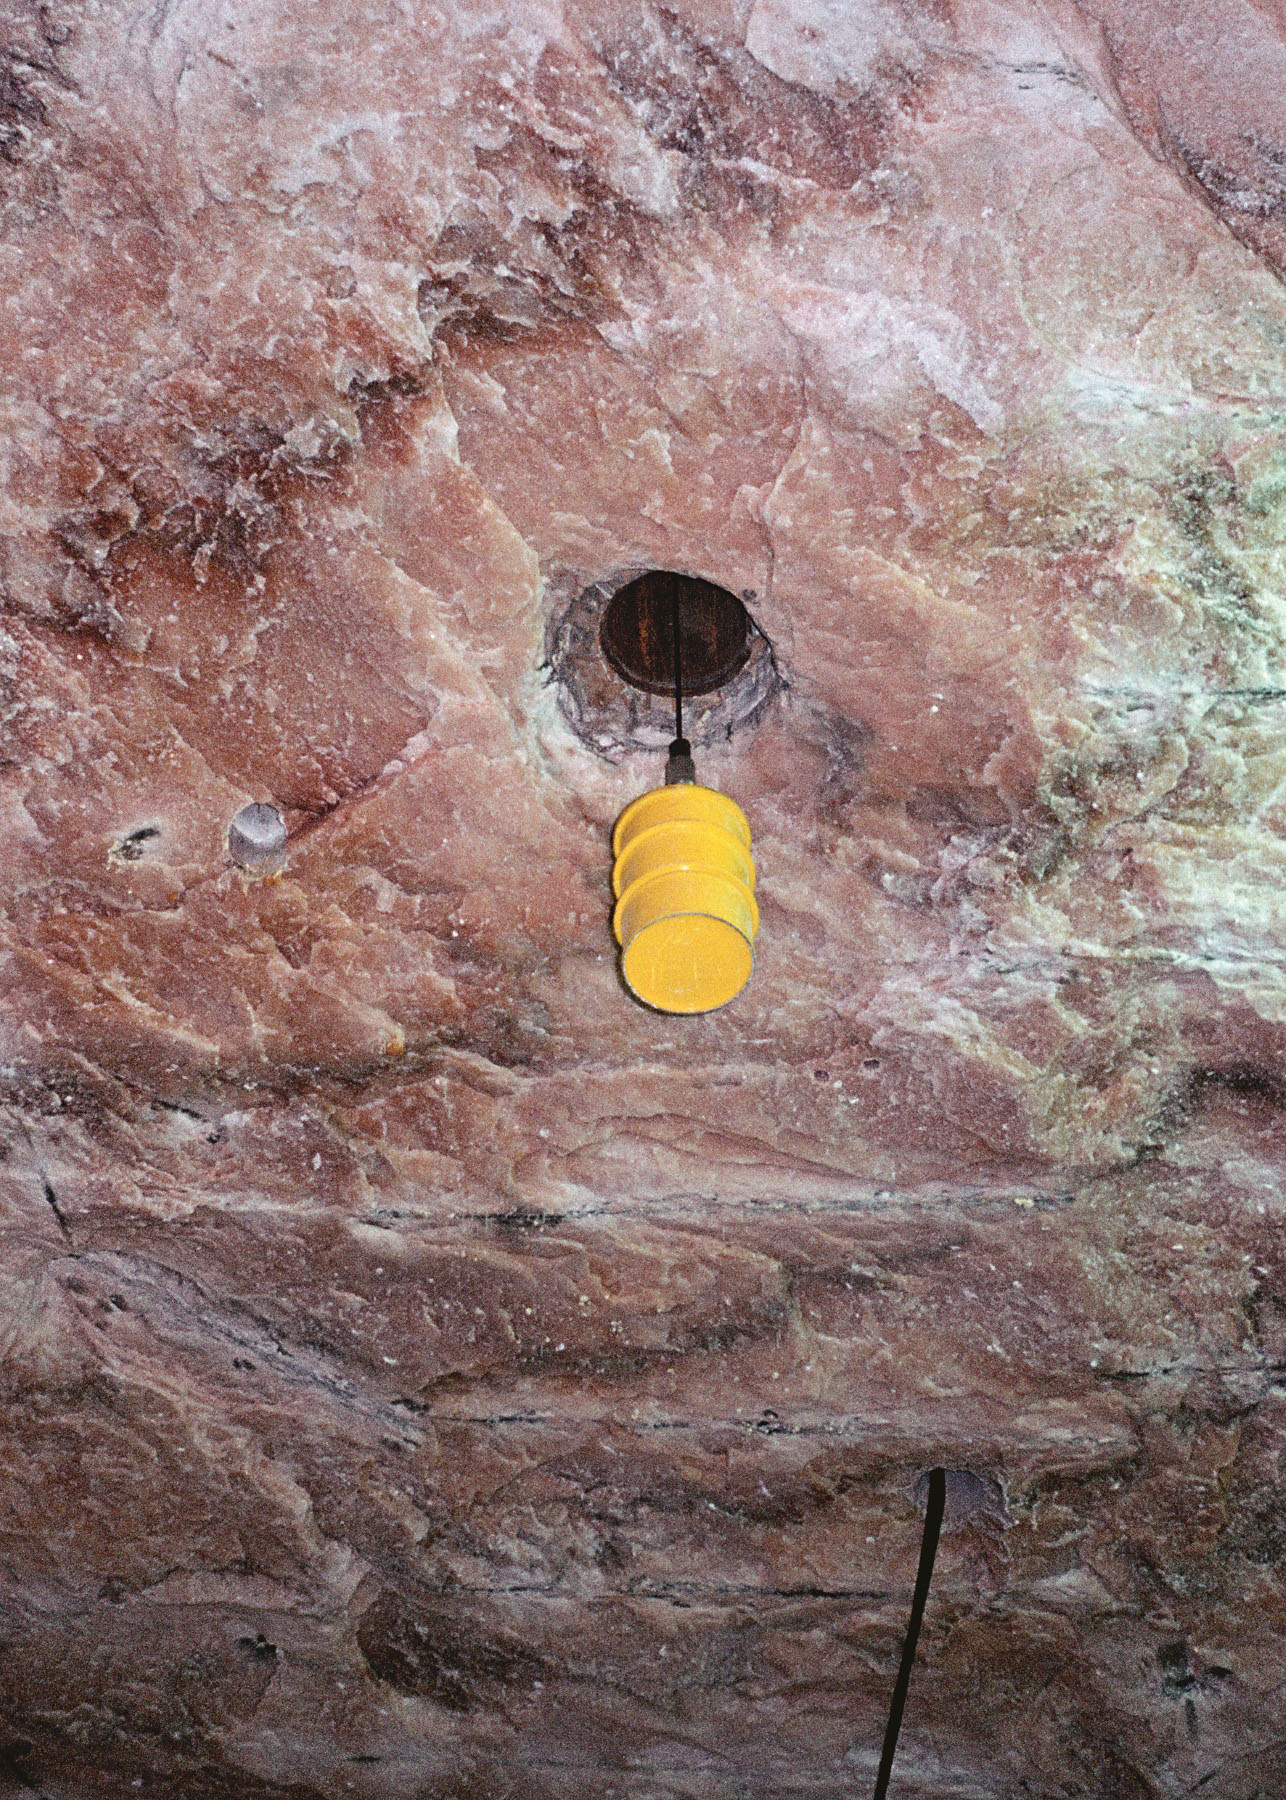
(425, 1374)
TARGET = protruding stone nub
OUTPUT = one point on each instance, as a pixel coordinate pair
(256, 836)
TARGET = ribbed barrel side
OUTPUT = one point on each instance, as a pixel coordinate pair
(685, 916)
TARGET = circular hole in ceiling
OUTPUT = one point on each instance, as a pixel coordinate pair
(599, 698)
(637, 633)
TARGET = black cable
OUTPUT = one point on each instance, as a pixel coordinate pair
(679, 767)
(933, 1510)
(678, 662)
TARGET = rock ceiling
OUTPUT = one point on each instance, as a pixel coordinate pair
(426, 1374)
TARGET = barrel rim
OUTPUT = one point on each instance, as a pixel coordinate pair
(632, 894)
(640, 838)
(652, 801)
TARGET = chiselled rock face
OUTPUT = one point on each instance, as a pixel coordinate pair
(427, 1374)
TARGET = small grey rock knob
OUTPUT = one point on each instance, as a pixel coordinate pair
(256, 836)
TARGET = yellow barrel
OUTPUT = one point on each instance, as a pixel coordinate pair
(685, 910)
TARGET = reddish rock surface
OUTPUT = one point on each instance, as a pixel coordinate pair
(426, 1374)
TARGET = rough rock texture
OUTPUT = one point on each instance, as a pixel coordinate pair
(427, 1375)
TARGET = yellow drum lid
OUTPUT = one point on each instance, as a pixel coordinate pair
(687, 963)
